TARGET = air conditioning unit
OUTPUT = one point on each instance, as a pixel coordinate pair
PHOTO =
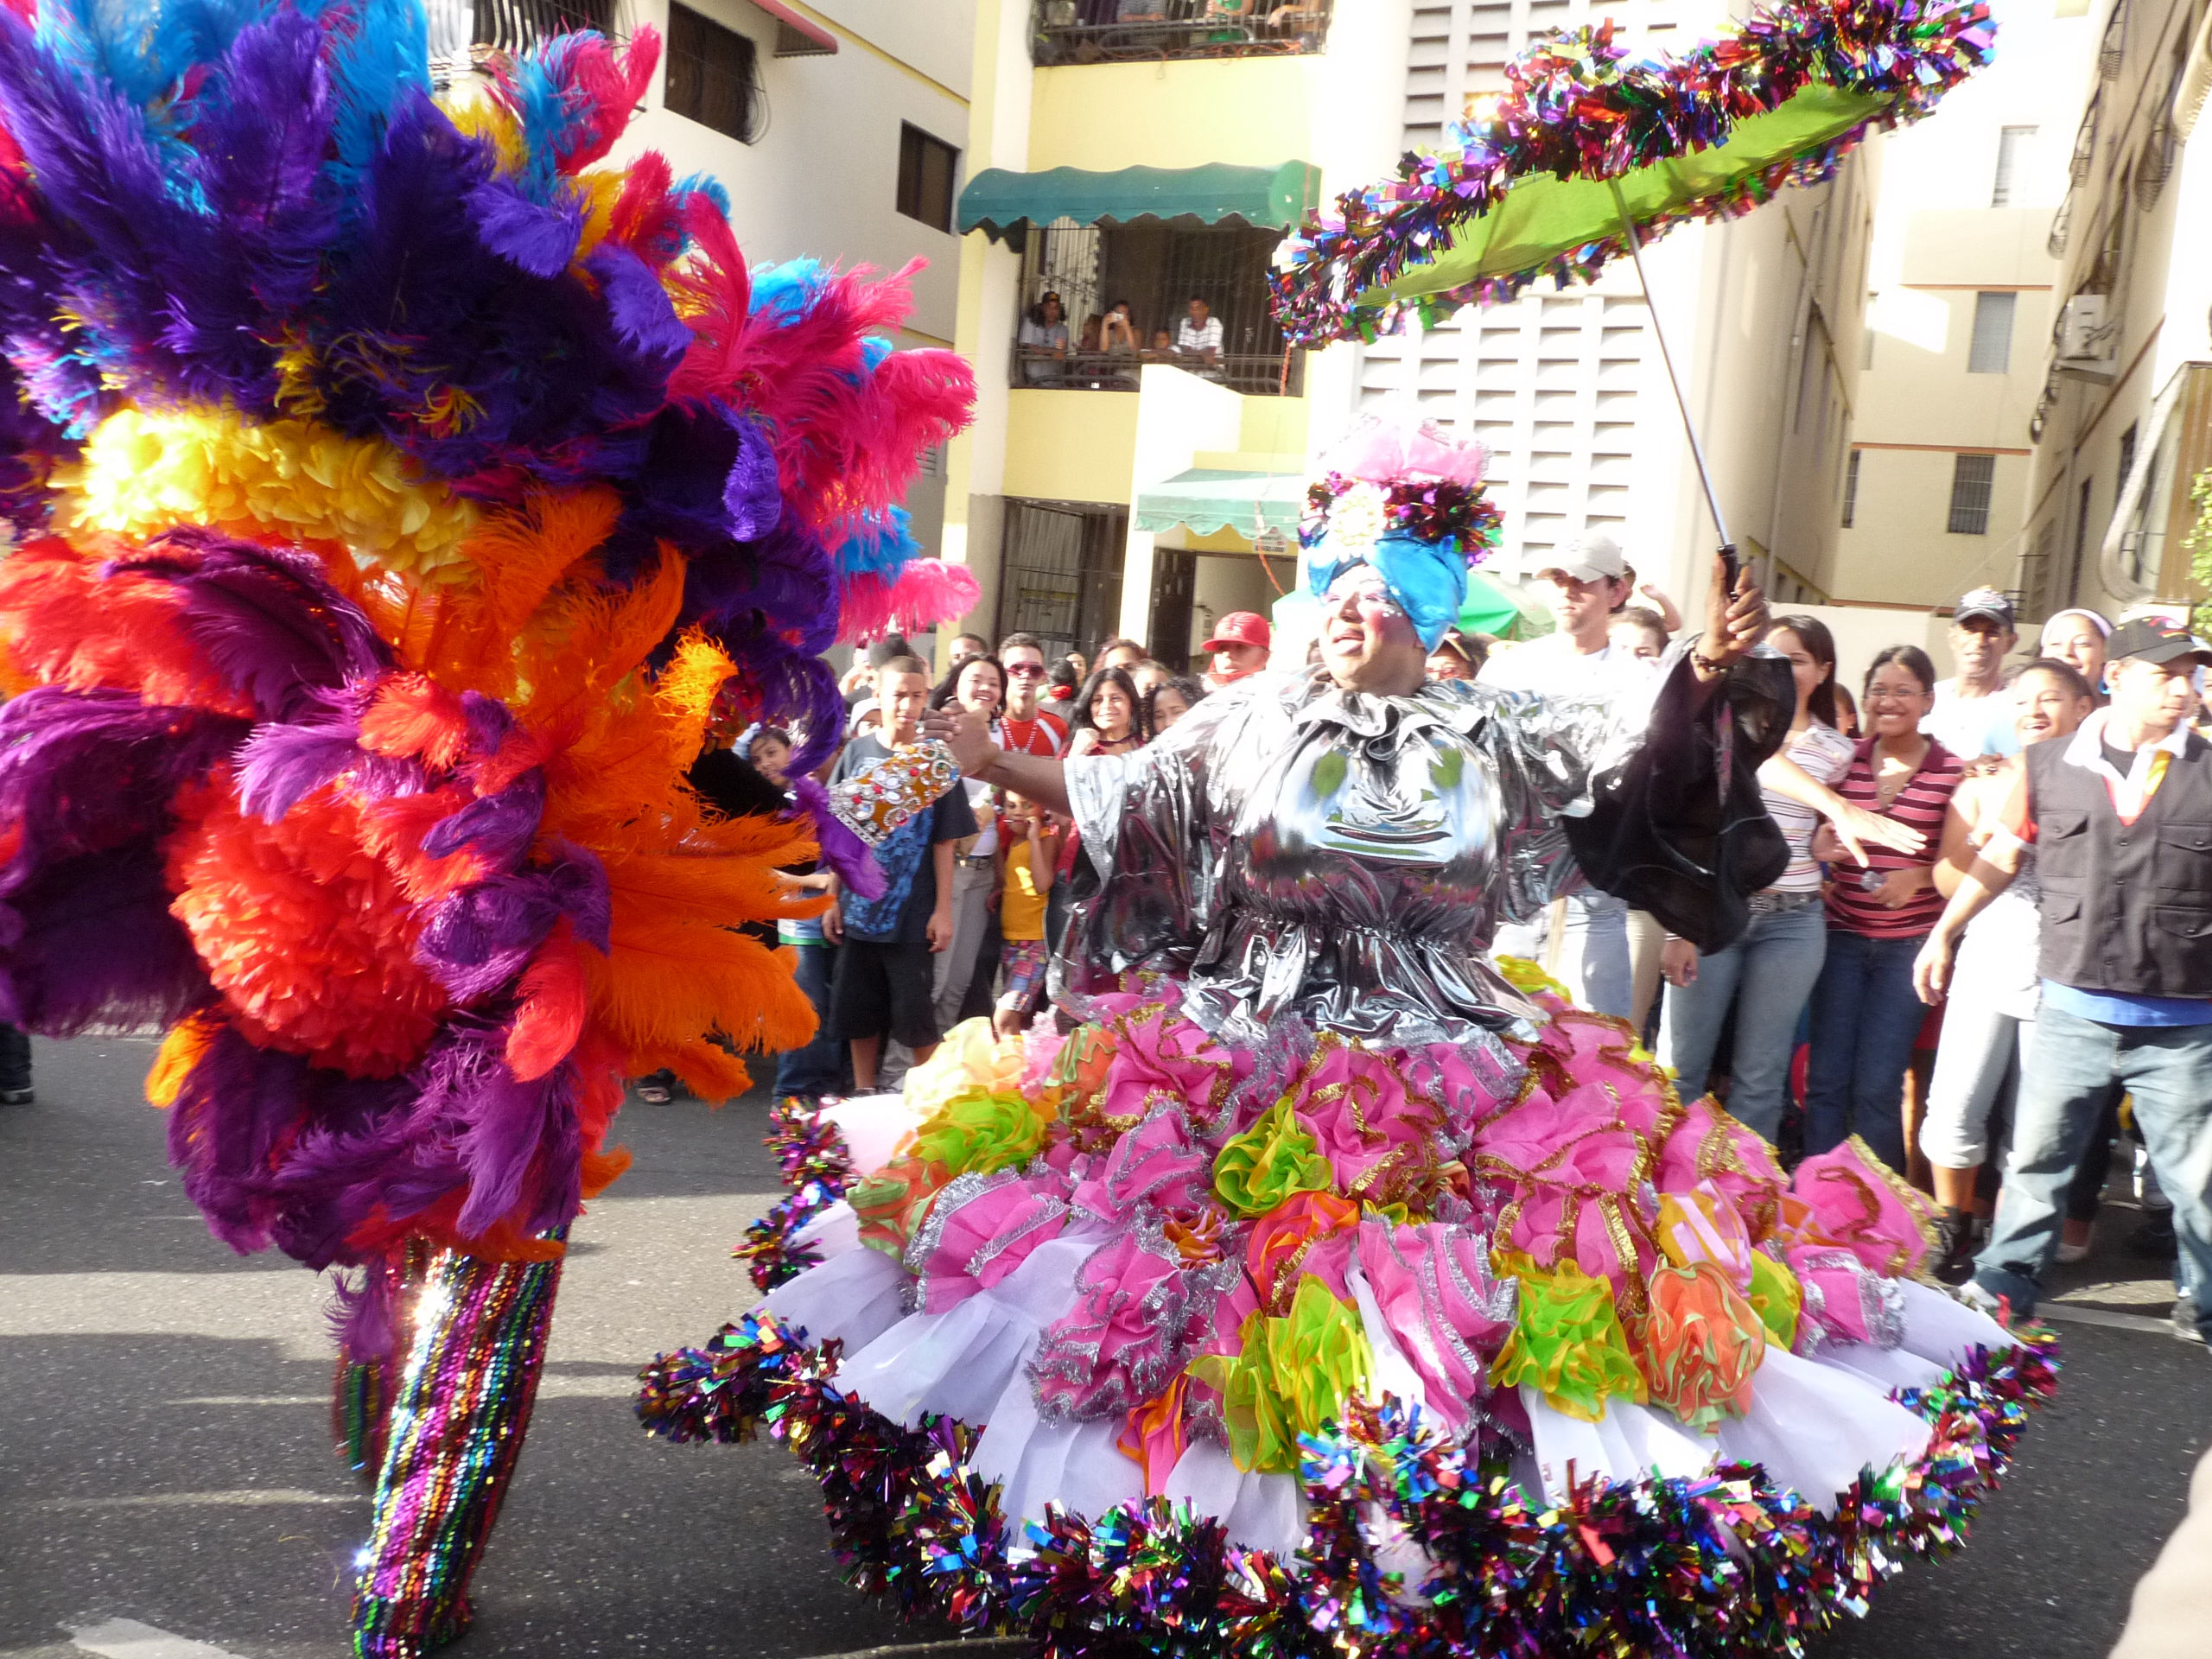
(2089, 337)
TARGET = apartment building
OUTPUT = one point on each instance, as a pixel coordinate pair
(1961, 296)
(2121, 428)
(1138, 155)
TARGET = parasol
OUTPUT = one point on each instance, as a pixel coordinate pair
(1589, 156)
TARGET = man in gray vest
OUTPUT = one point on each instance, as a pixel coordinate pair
(2120, 818)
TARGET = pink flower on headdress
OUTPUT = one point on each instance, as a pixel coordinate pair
(1384, 452)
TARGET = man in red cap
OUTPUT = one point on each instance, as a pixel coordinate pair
(1239, 647)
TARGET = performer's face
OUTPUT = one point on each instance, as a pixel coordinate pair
(1367, 643)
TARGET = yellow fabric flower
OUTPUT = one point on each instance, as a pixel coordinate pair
(1567, 1339)
(1257, 1170)
(979, 1133)
(1776, 1296)
(1525, 976)
(1292, 1376)
(970, 1060)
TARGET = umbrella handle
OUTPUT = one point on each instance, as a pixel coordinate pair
(1667, 356)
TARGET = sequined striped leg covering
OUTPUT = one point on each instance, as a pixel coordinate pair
(456, 1426)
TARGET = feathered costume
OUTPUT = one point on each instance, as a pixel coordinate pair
(397, 491)
(1333, 1288)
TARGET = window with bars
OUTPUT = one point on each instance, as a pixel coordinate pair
(1155, 271)
(713, 76)
(1990, 351)
(1061, 573)
(927, 166)
(2014, 147)
(1851, 489)
(1973, 482)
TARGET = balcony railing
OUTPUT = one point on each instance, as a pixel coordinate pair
(1121, 31)
(1268, 375)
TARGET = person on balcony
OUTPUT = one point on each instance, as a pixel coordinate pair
(1042, 344)
(1197, 342)
(1119, 330)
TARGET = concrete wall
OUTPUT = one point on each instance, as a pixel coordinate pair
(1246, 112)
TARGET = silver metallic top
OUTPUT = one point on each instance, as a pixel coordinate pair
(1290, 847)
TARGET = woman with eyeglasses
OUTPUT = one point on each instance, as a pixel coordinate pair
(1866, 1012)
(1308, 1140)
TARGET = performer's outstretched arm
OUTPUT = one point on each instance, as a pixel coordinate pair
(968, 735)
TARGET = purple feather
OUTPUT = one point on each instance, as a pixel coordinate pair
(530, 235)
(479, 940)
(280, 766)
(751, 492)
(269, 622)
(638, 305)
(842, 850)
(489, 721)
(89, 941)
(81, 771)
(499, 827)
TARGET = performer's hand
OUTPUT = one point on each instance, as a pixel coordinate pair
(1852, 826)
(966, 733)
(1733, 622)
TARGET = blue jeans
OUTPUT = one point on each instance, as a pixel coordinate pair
(1766, 976)
(819, 1067)
(1864, 1018)
(2072, 1065)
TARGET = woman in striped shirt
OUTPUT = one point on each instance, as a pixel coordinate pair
(1866, 1013)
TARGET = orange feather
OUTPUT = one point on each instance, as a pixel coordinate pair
(550, 1017)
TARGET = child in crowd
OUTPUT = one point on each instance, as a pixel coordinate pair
(1030, 845)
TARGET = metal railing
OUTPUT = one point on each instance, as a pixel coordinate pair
(1267, 375)
(1119, 31)
(511, 25)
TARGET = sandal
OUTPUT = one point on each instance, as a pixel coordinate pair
(653, 1094)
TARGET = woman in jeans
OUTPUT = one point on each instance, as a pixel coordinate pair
(1767, 974)
(1866, 1013)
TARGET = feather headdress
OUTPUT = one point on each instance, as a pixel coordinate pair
(399, 491)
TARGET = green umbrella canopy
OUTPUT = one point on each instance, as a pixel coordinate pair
(1540, 184)
(1488, 611)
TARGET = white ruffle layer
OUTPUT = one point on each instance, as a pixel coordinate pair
(1813, 1424)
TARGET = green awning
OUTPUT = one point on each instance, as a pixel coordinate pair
(998, 202)
(1206, 500)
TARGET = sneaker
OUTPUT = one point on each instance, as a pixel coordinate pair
(2187, 1322)
(15, 1097)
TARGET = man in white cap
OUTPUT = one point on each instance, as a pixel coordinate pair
(1588, 580)
(1975, 712)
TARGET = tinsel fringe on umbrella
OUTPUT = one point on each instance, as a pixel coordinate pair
(1576, 109)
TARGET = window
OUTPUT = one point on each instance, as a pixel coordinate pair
(1971, 477)
(1851, 489)
(1060, 572)
(2014, 147)
(926, 168)
(711, 76)
(1991, 351)
(516, 25)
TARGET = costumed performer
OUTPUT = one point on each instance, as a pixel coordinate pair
(1333, 1287)
(397, 491)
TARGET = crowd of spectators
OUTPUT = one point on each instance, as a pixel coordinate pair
(1107, 346)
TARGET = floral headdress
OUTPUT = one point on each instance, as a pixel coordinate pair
(1409, 500)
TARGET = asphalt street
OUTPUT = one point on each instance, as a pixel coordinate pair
(167, 1489)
